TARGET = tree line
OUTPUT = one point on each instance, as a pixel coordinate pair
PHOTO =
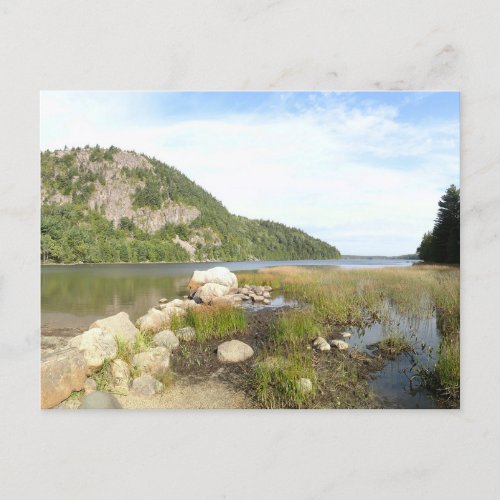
(442, 244)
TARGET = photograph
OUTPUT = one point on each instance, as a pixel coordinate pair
(250, 249)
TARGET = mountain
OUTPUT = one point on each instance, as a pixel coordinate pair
(109, 205)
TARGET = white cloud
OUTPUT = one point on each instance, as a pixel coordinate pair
(358, 178)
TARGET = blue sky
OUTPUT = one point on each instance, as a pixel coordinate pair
(361, 170)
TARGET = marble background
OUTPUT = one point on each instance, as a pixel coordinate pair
(259, 44)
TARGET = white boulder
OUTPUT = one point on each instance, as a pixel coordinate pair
(118, 325)
(96, 346)
(218, 275)
(208, 292)
(321, 344)
(234, 351)
(340, 345)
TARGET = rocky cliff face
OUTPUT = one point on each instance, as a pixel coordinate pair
(113, 193)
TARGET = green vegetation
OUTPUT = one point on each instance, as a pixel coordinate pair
(278, 379)
(393, 345)
(75, 228)
(294, 326)
(358, 298)
(443, 243)
(103, 377)
(212, 322)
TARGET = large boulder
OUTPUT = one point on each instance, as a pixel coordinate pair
(96, 346)
(100, 401)
(156, 320)
(156, 361)
(61, 373)
(210, 291)
(218, 275)
(234, 351)
(166, 338)
(118, 325)
(146, 385)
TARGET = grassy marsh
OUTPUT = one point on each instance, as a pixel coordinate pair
(335, 297)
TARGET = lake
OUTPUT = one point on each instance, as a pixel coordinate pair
(74, 296)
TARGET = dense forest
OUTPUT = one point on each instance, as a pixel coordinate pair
(442, 244)
(98, 204)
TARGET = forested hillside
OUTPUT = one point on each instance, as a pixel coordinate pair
(108, 205)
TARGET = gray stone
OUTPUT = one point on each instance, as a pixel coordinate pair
(156, 361)
(266, 301)
(146, 385)
(346, 335)
(100, 401)
(340, 345)
(234, 351)
(166, 338)
(258, 298)
(266, 295)
(96, 346)
(321, 344)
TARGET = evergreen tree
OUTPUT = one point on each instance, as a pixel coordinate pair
(443, 244)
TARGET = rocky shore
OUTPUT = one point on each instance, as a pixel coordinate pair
(134, 361)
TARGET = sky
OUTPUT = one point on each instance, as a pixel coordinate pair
(363, 171)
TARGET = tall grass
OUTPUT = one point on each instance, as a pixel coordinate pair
(295, 326)
(213, 322)
(277, 379)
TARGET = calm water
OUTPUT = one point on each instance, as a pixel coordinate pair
(75, 296)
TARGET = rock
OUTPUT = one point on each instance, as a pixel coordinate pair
(100, 401)
(243, 290)
(267, 302)
(346, 335)
(187, 333)
(208, 292)
(166, 338)
(228, 300)
(96, 346)
(258, 298)
(156, 361)
(156, 320)
(146, 385)
(162, 301)
(233, 351)
(266, 295)
(304, 385)
(90, 386)
(340, 345)
(242, 296)
(216, 275)
(259, 290)
(118, 325)
(268, 288)
(321, 344)
(120, 374)
(61, 373)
